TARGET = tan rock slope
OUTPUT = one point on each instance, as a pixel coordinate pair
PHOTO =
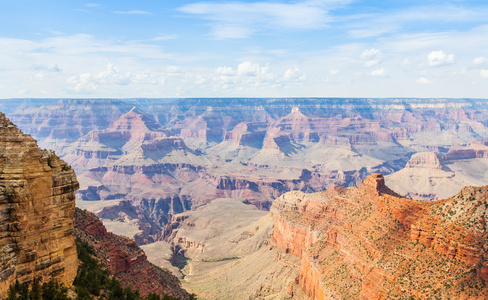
(37, 204)
(368, 243)
(434, 175)
(228, 252)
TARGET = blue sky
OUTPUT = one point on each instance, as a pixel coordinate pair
(310, 48)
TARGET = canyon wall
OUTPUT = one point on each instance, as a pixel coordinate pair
(369, 243)
(124, 259)
(37, 205)
(165, 156)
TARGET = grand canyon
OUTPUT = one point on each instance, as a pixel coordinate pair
(238, 198)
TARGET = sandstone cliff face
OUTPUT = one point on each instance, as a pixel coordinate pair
(124, 259)
(368, 243)
(37, 204)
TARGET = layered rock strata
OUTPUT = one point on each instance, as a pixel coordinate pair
(124, 259)
(369, 243)
(58, 123)
(37, 204)
(435, 175)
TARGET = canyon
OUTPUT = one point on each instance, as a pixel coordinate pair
(437, 175)
(218, 186)
(40, 225)
(161, 157)
(364, 242)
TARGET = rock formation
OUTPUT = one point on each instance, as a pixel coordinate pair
(37, 204)
(436, 175)
(368, 243)
(169, 155)
(58, 123)
(124, 259)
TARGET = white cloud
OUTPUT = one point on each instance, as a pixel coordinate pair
(242, 19)
(378, 73)
(132, 12)
(479, 60)
(294, 74)
(377, 24)
(251, 69)
(423, 80)
(439, 58)
(484, 73)
(225, 71)
(165, 37)
(371, 57)
(83, 83)
(92, 5)
(110, 76)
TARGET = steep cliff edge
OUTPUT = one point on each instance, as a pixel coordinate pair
(124, 259)
(37, 205)
(368, 243)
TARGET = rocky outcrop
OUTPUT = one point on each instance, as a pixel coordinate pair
(369, 243)
(124, 259)
(435, 175)
(37, 204)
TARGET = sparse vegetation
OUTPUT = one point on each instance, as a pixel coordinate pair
(220, 259)
(92, 282)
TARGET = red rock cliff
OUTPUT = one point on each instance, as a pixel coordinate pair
(367, 243)
(37, 205)
(124, 259)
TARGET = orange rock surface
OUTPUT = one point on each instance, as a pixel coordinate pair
(368, 243)
(37, 204)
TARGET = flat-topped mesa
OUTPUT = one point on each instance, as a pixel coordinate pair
(426, 160)
(472, 150)
(37, 204)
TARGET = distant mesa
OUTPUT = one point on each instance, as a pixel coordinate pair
(435, 175)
